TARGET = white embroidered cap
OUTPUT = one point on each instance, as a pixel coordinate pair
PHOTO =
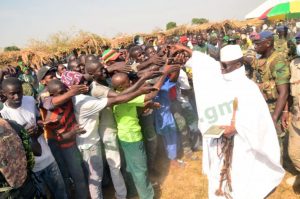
(230, 53)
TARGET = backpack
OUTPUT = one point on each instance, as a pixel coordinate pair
(13, 161)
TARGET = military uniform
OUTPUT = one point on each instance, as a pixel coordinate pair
(280, 45)
(294, 125)
(269, 73)
(27, 190)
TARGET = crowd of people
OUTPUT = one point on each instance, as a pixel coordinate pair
(65, 126)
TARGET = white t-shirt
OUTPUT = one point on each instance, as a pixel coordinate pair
(87, 110)
(182, 84)
(25, 115)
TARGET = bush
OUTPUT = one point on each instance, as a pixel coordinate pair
(198, 21)
(11, 48)
(171, 25)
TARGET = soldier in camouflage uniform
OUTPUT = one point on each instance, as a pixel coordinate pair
(271, 73)
(294, 125)
(281, 40)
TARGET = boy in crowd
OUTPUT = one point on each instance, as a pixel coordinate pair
(60, 129)
(22, 109)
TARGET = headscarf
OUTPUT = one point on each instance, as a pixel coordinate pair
(70, 78)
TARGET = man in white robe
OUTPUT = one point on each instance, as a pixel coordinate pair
(255, 167)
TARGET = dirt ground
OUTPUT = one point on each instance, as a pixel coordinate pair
(188, 183)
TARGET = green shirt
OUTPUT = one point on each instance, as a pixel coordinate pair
(129, 129)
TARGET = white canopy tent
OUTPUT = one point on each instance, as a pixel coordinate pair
(257, 12)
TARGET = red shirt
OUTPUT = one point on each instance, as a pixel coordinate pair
(66, 121)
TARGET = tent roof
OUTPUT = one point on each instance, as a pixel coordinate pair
(257, 12)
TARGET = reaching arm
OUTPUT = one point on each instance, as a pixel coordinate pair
(178, 47)
(138, 84)
(74, 90)
(123, 98)
(119, 67)
(170, 69)
(143, 65)
(158, 85)
(155, 60)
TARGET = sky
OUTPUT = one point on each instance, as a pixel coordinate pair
(22, 20)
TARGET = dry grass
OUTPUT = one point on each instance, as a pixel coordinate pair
(39, 52)
(189, 183)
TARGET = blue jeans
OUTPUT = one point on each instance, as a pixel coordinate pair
(72, 163)
(52, 177)
(56, 151)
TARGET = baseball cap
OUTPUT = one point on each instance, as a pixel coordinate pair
(263, 36)
(183, 39)
(43, 71)
(281, 28)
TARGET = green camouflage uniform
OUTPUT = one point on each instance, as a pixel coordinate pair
(27, 187)
(280, 45)
(269, 73)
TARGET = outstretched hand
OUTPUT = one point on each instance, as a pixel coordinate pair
(157, 60)
(171, 68)
(119, 67)
(145, 89)
(151, 75)
(79, 89)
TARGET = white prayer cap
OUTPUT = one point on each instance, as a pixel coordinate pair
(230, 53)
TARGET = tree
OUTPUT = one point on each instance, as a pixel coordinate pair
(171, 25)
(11, 48)
(198, 21)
